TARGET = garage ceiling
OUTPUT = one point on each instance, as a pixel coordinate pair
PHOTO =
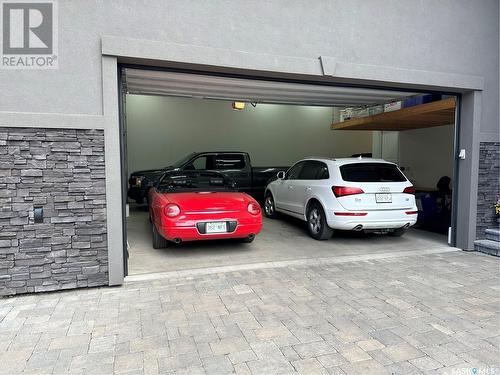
(154, 82)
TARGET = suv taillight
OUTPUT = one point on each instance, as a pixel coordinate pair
(409, 190)
(342, 191)
(172, 210)
(253, 208)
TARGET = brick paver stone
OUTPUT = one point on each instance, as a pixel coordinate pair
(424, 313)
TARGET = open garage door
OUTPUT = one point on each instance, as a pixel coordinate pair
(250, 129)
(152, 82)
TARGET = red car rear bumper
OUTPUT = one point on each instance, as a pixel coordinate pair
(191, 233)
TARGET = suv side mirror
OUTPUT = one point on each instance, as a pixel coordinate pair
(281, 175)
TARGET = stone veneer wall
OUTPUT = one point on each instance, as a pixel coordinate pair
(488, 186)
(61, 170)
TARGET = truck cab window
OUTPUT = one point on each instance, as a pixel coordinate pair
(198, 164)
(229, 161)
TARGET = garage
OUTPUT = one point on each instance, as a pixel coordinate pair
(171, 116)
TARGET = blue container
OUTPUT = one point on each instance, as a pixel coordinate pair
(421, 99)
(431, 98)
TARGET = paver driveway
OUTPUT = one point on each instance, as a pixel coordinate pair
(430, 313)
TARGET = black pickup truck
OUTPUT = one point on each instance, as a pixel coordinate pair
(236, 165)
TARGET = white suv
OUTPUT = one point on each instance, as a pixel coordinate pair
(349, 194)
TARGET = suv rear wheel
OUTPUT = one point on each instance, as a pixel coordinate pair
(316, 223)
(269, 207)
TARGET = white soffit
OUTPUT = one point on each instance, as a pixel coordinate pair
(155, 82)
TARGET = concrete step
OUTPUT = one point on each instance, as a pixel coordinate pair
(487, 246)
(493, 234)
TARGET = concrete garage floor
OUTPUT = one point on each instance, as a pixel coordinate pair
(280, 240)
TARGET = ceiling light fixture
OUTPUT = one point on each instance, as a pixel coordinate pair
(238, 106)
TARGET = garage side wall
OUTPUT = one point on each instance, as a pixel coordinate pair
(488, 187)
(61, 171)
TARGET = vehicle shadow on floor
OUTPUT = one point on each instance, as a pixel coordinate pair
(301, 225)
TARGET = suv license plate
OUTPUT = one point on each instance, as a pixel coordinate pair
(383, 198)
(216, 227)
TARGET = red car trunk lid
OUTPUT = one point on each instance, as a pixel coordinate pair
(208, 201)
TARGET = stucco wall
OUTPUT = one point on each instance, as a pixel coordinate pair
(61, 170)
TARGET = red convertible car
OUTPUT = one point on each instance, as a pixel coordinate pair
(201, 205)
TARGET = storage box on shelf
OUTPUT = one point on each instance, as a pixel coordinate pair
(421, 99)
(393, 106)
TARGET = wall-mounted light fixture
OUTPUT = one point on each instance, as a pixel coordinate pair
(238, 106)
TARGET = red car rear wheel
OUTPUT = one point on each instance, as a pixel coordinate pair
(158, 241)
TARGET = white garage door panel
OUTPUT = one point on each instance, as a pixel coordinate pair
(153, 82)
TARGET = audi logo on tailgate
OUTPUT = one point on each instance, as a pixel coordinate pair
(384, 189)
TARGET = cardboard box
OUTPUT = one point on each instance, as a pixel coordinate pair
(345, 114)
(394, 106)
(360, 112)
(375, 110)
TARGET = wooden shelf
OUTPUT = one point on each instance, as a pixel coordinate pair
(427, 115)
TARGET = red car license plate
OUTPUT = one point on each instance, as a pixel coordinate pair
(216, 227)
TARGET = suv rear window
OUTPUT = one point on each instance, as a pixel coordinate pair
(371, 172)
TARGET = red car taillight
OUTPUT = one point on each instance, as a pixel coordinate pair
(253, 208)
(172, 210)
(409, 190)
(342, 191)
